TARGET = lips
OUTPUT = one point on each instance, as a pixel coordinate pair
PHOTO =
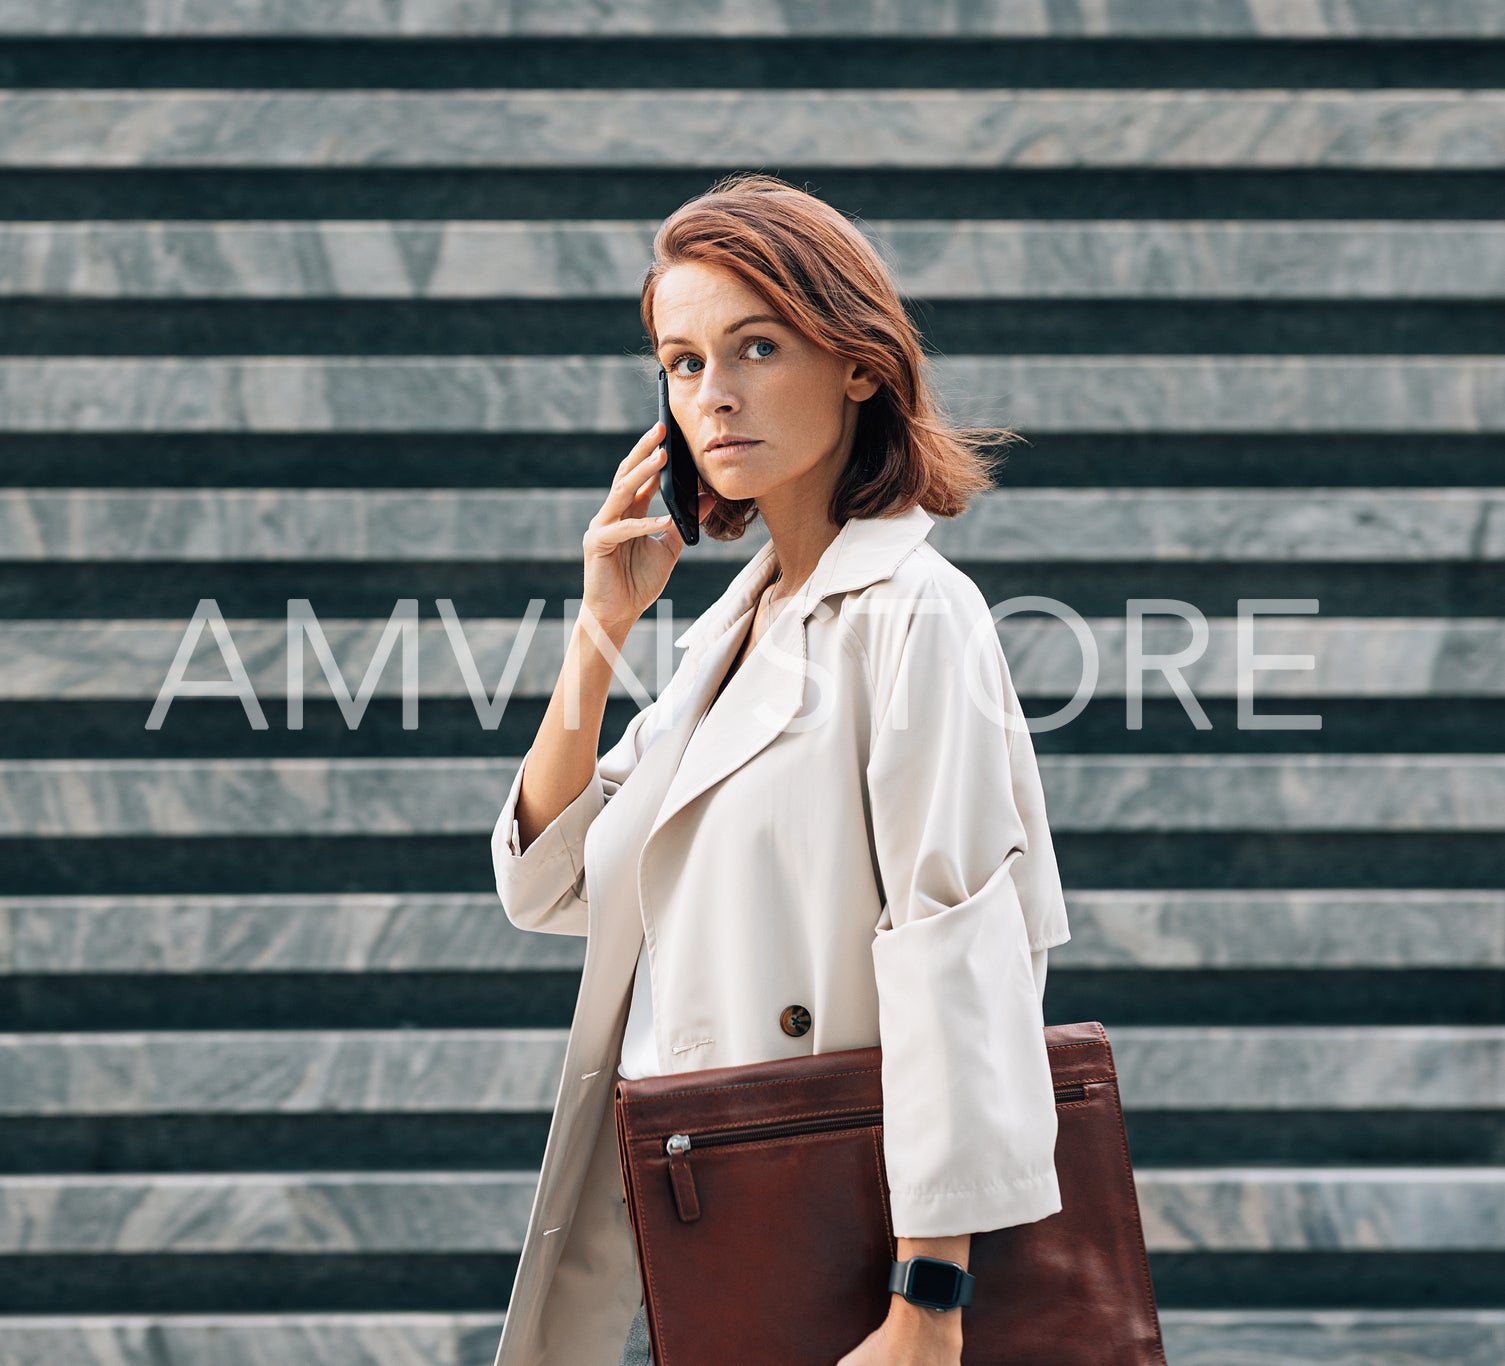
(730, 447)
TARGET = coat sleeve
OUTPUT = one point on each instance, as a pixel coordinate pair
(543, 886)
(969, 1108)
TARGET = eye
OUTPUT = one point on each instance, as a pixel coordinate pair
(673, 366)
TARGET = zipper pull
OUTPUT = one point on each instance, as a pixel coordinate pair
(682, 1179)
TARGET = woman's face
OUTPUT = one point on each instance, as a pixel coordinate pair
(736, 370)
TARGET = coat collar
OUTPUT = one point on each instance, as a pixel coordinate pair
(768, 690)
(865, 551)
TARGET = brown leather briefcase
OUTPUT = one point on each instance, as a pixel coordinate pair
(766, 1238)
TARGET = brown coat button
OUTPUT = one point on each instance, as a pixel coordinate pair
(795, 1021)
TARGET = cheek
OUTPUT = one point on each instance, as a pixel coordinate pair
(805, 419)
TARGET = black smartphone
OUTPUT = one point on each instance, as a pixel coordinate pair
(678, 480)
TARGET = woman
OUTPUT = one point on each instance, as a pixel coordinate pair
(827, 832)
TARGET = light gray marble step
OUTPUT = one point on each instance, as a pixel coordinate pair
(1298, 1209)
(503, 1071)
(377, 933)
(284, 1212)
(1235, 1067)
(1253, 1209)
(346, 932)
(748, 19)
(1296, 792)
(1350, 656)
(1150, 524)
(1223, 1067)
(1036, 394)
(1357, 259)
(1332, 1337)
(1284, 929)
(1243, 1337)
(962, 129)
(396, 1339)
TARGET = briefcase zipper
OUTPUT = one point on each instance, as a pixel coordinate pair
(682, 1179)
(678, 1146)
(748, 1133)
(854, 1119)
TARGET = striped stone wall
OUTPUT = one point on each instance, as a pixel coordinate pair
(337, 302)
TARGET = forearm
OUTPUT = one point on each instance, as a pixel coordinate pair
(563, 757)
(953, 1249)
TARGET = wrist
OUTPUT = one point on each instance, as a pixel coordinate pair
(588, 626)
(920, 1321)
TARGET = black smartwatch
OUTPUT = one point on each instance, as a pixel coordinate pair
(932, 1282)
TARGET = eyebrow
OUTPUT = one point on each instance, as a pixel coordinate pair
(735, 327)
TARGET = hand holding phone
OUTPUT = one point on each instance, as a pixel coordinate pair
(628, 554)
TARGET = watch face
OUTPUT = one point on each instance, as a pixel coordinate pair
(934, 1282)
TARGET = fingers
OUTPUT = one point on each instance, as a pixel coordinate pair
(630, 528)
(636, 477)
(641, 447)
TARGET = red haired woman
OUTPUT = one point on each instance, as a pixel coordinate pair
(828, 831)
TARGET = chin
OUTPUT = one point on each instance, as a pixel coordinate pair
(737, 494)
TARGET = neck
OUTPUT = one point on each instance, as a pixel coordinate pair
(797, 550)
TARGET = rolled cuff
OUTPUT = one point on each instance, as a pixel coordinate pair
(969, 1105)
(941, 1212)
(543, 886)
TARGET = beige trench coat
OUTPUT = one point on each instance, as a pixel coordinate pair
(853, 829)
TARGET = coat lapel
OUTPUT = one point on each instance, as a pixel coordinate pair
(767, 691)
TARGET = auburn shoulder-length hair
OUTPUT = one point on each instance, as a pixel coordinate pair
(819, 273)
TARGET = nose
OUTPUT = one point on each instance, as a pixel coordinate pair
(714, 393)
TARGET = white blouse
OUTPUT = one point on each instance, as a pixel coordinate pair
(639, 1051)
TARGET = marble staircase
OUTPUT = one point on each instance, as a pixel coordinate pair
(337, 303)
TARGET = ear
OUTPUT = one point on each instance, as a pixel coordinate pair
(862, 383)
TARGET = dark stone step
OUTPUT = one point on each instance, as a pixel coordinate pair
(1328, 1280)
(368, 1141)
(1084, 460)
(259, 1283)
(254, 1282)
(906, 62)
(1126, 861)
(1254, 1137)
(292, 1000)
(635, 192)
(526, 327)
(197, 727)
(438, 1141)
(534, 999)
(120, 590)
